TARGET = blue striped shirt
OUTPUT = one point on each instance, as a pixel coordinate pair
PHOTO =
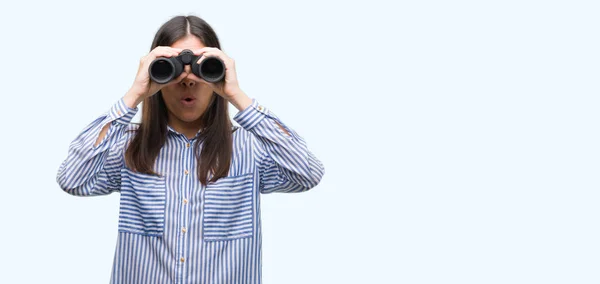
(171, 228)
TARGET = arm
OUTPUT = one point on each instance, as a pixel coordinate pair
(95, 157)
(284, 162)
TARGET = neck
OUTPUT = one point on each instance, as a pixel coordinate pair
(189, 129)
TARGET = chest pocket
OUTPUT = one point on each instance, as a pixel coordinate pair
(228, 208)
(143, 203)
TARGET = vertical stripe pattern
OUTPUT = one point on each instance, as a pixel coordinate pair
(171, 228)
(228, 208)
(142, 206)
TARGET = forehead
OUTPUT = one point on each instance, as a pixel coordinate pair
(189, 42)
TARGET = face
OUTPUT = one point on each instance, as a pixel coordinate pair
(181, 113)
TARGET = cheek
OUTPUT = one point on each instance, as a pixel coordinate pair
(168, 90)
(169, 94)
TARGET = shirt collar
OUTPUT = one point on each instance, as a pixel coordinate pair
(177, 133)
(233, 128)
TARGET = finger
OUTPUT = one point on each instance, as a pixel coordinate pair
(164, 52)
(178, 50)
(204, 49)
(181, 76)
(208, 54)
(169, 48)
(152, 57)
(199, 51)
(193, 77)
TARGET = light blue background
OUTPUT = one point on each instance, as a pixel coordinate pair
(459, 138)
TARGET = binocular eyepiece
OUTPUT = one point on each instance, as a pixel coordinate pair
(164, 69)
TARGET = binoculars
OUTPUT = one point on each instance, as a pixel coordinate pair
(164, 69)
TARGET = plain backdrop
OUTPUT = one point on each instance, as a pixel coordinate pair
(459, 138)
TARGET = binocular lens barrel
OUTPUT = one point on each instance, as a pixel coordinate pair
(212, 69)
(164, 69)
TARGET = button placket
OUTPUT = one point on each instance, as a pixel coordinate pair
(184, 209)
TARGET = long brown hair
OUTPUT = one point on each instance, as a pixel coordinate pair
(216, 135)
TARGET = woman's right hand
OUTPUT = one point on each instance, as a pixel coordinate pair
(142, 86)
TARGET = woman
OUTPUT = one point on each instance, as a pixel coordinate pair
(189, 180)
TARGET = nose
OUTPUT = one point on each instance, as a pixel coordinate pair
(187, 83)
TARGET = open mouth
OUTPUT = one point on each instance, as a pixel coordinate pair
(188, 101)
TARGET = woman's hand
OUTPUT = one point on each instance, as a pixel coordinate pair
(227, 88)
(143, 86)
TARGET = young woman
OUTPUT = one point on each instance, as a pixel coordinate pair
(189, 180)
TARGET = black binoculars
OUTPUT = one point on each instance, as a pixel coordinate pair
(164, 69)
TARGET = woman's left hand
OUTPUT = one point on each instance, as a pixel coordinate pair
(226, 88)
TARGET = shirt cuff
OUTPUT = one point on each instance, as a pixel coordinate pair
(122, 113)
(252, 115)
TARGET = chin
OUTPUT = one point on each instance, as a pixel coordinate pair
(189, 117)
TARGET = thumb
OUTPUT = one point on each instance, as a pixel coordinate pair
(181, 76)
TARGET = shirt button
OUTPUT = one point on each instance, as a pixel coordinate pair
(183, 229)
(186, 172)
(119, 112)
(260, 108)
(182, 259)
(187, 145)
(185, 201)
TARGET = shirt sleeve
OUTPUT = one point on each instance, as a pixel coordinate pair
(284, 162)
(90, 170)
